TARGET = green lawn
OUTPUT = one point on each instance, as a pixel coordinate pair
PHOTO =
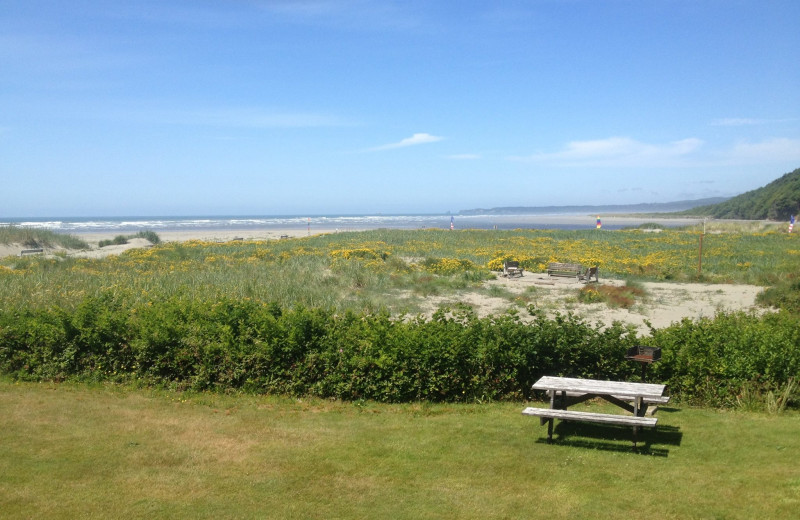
(71, 451)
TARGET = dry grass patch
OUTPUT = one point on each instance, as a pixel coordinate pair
(624, 296)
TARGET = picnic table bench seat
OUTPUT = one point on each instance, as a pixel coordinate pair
(605, 418)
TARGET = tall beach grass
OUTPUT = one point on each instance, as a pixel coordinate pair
(33, 238)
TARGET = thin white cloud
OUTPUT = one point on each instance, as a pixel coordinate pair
(414, 140)
(772, 150)
(616, 151)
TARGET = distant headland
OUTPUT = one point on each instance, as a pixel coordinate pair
(655, 207)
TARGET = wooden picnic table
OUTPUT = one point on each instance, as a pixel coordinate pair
(634, 398)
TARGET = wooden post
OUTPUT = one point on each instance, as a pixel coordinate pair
(700, 255)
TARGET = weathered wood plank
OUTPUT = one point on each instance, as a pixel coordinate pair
(664, 399)
(621, 389)
(563, 269)
(605, 418)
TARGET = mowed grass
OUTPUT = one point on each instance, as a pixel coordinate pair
(71, 451)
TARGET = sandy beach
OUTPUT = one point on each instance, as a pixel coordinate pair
(461, 222)
(664, 304)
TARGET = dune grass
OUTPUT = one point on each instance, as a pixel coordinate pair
(109, 452)
(374, 269)
(39, 238)
(150, 236)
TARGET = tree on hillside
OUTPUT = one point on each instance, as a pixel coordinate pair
(778, 200)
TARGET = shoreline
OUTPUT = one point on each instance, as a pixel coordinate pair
(268, 232)
(212, 235)
(502, 222)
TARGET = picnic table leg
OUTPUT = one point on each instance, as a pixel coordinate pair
(551, 420)
(637, 412)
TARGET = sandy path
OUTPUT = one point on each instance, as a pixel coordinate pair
(664, 304)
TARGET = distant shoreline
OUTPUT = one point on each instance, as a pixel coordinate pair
(270, 227)
(503, 222)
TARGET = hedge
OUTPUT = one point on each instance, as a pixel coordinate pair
(244, 345)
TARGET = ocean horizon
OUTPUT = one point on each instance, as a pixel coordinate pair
(343, 222)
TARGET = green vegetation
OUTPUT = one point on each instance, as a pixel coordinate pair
(245, 345)
(148, 235)
(35, 238)
(116, 241)
(93, 452)
(614, 296)
(389, 268)
(151, 236)
(282, 379)
(652, 226)
(777, 200)
(785, 295)
(335, 316)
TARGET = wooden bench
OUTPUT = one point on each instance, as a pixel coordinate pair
(605, 418)
(588, 274)
(547, 415)
(562, 269)
(31, 252)
(512, 268)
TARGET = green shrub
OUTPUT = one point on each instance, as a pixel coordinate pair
(118, 240)
(712, 361)
(247, 345)
(150, 236)
(784, 295)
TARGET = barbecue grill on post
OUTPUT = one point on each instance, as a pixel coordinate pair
(644, 356)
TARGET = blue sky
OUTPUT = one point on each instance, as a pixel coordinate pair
(358, 106)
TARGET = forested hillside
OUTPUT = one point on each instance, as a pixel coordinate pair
(777, 200)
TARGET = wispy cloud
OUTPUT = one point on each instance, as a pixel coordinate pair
(414, 140)
(616, 151)
(772, 150)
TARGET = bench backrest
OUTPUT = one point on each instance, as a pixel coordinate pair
(568, 267)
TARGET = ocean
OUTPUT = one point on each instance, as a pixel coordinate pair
(78, 225)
